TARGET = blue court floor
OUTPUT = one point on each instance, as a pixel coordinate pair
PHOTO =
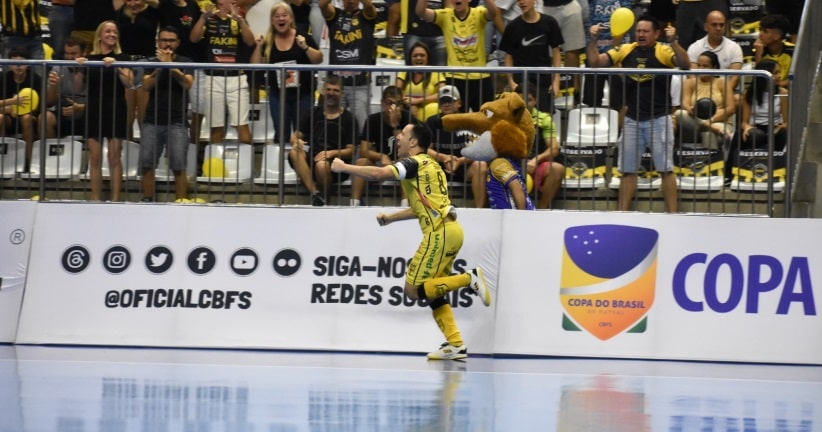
(123, 389)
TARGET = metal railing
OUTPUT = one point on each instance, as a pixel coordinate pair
(279, 186)
(803, 157)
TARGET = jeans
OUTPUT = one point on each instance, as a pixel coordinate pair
(32, 44)
(295, 107)
(61, 20)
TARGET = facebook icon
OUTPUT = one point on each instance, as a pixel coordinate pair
(201, 260)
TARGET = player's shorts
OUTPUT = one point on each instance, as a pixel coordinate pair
(435, 255)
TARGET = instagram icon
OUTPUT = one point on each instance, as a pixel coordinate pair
(116, 260)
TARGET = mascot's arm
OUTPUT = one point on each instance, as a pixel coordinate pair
(506, 174)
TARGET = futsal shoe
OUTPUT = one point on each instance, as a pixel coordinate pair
(449, 352)
(479, 286)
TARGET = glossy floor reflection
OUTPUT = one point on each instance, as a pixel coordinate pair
(119, 389)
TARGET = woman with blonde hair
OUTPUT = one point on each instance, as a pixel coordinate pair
(105, 108)
(283, 44)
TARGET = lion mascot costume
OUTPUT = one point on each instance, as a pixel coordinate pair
(506, 134)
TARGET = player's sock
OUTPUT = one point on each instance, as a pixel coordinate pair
(444, 317)
(440, 286)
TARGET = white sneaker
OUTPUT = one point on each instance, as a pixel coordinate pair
(479, 286)
(449, 352)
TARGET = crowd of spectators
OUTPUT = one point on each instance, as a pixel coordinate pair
(104, 104)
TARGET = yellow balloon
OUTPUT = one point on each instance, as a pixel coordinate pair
(529, 182)
(621, 21)
(214, 167)
(31, 105)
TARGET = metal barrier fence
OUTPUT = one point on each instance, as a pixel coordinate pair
(805, 151)
(239, 165)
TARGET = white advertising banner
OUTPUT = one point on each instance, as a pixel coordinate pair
(690, 287)
(661, 287)
(15, 240)
(210, 276)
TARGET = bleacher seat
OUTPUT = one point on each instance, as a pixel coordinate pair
(270, 169)
(12, 156)
(565, 100)
(129, 158)
(589, 132)
(135, 128)
(205, 129)
(260, 122)
(699, 169)
(238, 162)
(751, 174)
(592, 126)
(163, 173)
(647, 177)
(380, 79)
(64, 158)
(231, 133)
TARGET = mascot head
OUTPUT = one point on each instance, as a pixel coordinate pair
(504, 126)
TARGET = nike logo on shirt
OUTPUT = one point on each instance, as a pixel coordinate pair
(526, 42)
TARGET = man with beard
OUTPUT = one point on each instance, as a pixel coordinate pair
(378, 137)
(67, 94)
(647, 98)
(327, 132)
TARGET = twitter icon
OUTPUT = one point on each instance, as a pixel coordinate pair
(159, 259)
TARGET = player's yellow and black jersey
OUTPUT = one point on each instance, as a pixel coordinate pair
(423, 181)
(646, 95)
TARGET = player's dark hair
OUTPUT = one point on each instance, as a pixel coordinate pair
(423, 135)
(652, 20)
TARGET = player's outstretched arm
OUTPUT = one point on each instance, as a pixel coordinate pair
(368, 172)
